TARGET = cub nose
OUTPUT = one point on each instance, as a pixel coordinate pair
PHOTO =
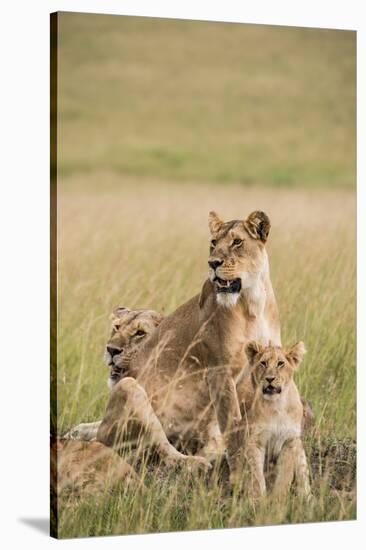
(113, 350)
(215, 264)
(270, 379)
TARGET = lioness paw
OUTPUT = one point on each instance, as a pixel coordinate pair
(198, 463)
(72, 434)
(189, 462)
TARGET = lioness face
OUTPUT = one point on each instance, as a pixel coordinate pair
(272, 367)
(237, 254)
(129, 329)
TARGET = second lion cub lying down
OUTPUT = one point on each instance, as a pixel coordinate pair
(274, 420)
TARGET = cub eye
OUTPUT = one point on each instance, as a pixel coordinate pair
(115, 328)
(280, 364)
(213, 242)
(237, 242)
(263, 364)
(140, 333)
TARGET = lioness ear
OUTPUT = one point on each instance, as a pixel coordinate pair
(157, 317)
(214, 222)
(119, 312)
(258, 225)
(252, 349)
(296, 353)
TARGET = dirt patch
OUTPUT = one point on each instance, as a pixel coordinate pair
(334, 461)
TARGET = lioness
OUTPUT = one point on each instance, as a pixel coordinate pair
(183, 378)
(130, 327)
(86, 467)
(274, 419)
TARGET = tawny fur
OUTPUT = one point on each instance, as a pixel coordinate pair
(84, 467)
(187, 370)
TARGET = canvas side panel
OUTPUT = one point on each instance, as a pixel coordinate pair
(53, 274)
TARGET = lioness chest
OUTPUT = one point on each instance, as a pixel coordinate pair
(241, 330)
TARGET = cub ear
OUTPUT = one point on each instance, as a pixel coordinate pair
(214, 222)
(119, 312)
(258, 225)
(296, 353)
(252, 349)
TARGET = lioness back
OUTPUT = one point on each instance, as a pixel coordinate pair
(85, 467)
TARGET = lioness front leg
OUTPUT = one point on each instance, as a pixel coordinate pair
(83, 432)
(130, 420)
(214, 449)
(224, 397)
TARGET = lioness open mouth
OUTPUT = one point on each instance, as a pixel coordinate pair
(117, 373)
(231, 286)
(271, 390)
(115, 376)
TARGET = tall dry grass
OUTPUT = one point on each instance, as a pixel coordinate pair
(142, 245)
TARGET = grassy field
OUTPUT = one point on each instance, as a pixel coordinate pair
(158, 125)
(207, 101)
(146, 245)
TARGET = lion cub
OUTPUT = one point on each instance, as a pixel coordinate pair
(274, 419)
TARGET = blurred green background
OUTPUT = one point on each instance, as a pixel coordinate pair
(220, 102)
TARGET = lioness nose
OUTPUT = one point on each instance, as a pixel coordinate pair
(270, 378)
(215, 264)
(113, 351)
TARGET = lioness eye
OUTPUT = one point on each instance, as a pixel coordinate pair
(213, 242)
(280, 364)
(140, 333)
(263, 364)
(237, 242)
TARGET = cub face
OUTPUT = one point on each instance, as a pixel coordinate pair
(237, 254)
(272, 367)
(130, 327)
